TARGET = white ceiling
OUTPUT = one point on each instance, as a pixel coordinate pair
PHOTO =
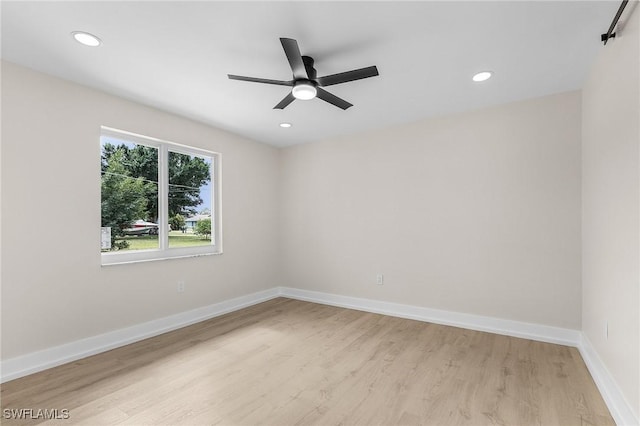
(176, 56)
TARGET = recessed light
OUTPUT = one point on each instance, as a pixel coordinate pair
(285, 125)
(482, 76)
(86, 38)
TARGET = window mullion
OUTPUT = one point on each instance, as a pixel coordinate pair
(163, 196)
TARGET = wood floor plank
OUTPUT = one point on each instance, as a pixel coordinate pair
(287, 362)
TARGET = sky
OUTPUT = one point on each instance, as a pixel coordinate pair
(205, 194)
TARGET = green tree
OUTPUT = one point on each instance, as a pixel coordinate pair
(187, 174)
(203, 227)
(177, 222)
(123, 198)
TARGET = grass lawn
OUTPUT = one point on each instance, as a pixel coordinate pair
(176, 239)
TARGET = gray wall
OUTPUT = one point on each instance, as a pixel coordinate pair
(476, 213)
(611, 208)
(54, 290)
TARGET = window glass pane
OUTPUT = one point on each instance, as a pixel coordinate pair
(190, 204)
(129, 195)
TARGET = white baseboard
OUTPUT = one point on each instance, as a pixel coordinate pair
(618, 406)
(37, 361)
(543, 333)
(14, 368)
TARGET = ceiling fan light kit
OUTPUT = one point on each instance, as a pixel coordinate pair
(305, 85)
(304, 90)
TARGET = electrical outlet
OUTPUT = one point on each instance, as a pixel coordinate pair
(181, 286)
(380, 279)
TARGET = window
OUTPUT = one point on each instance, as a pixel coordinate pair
(159, 199)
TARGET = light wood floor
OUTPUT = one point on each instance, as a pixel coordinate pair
(287, 362)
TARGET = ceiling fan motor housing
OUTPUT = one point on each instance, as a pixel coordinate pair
(308, 64)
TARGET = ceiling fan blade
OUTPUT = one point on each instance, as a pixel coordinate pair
(343, 77)
(286, 101)
(332, 99)
(260, 80)
(292, 51)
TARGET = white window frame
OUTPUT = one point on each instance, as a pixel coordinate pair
(164, 251)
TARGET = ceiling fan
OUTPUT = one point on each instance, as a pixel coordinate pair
(305, 84)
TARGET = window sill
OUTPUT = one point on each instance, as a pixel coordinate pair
(110, 259)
